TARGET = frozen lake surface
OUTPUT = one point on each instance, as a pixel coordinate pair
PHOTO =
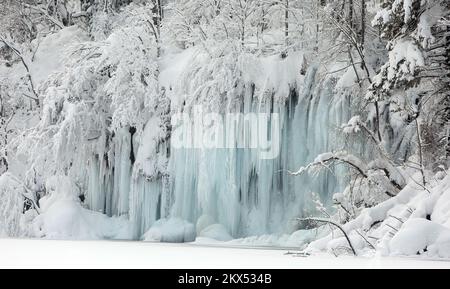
(116, 254)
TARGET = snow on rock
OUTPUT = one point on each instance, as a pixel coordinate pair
(173, 230)
(420, 236)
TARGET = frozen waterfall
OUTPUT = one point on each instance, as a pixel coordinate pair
(233, 187)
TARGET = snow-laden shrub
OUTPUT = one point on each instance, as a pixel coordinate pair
(14, 216)
(416, 221)
(405, 61)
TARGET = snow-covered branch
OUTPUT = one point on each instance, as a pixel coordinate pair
(35, 96)
(323, 159)
(44, 13)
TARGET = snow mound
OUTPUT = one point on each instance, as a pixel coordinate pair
(171, 231)
(422, 237)
(203, 222)
(216, 232)
(415, 222)
(67, 219)
(63, 216)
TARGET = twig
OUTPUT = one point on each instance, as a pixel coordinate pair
(365, 239)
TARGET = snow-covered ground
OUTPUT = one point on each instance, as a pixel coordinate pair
(114, 254)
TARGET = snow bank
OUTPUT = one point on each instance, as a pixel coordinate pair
(67, 219)
(171, 230)
(63, 217)
(422, 237)
(100, 254)
(415, 222)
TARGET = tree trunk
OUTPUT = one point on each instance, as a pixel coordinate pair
(286, 24)
(350, 13)
(363, 23)
(157, 16)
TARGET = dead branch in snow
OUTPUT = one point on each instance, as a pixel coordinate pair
(334, 224)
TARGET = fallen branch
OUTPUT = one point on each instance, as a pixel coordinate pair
(334, 224)
(365, 239)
